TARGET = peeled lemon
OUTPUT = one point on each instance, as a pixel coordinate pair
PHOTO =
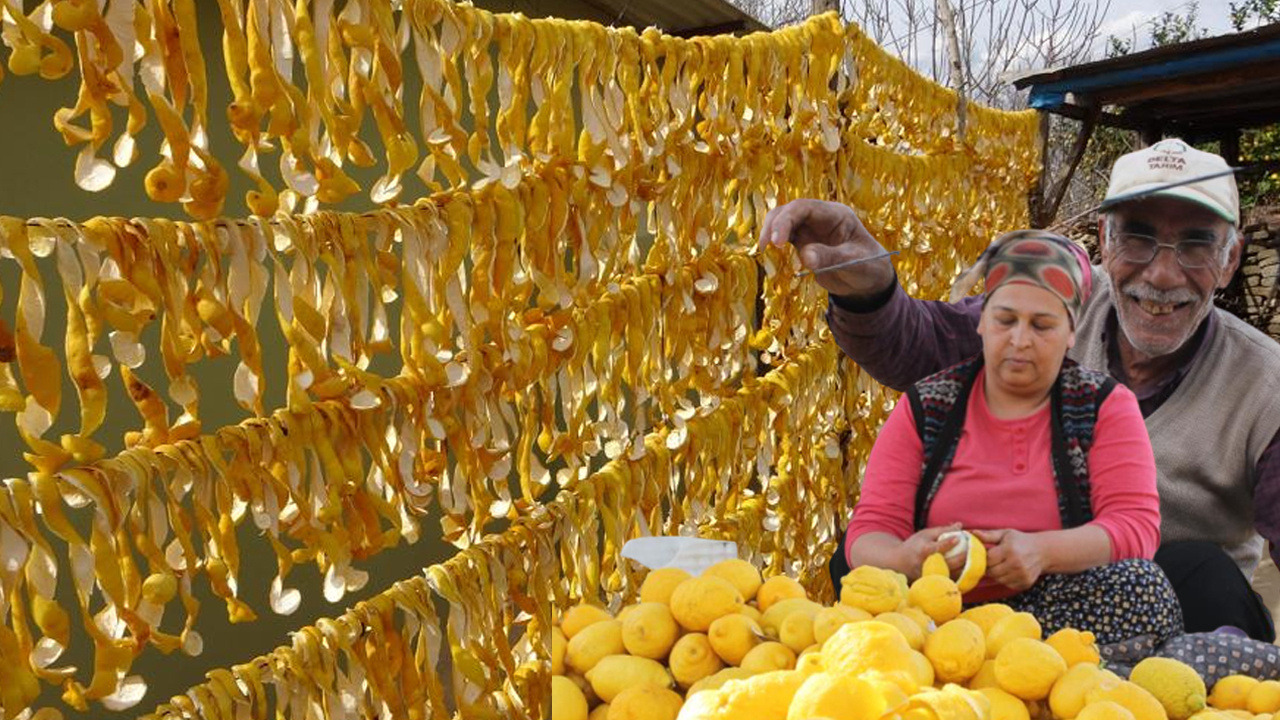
(697, 602)
(1232, 692)
(778, 587)
(692, 658)
(740, 573)
(1028, 668)
(957, 650)
(659, 584)
(975, 558)
(871, 589)
(733, 636)
(1011, 627)
(1177, 686)
(649, 630)
(937, 596)
(567, 701)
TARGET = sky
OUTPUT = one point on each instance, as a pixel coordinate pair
(1126, 15)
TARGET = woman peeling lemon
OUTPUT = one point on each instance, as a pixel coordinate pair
(1047, 464)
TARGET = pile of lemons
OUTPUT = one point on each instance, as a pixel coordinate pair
(727, 645)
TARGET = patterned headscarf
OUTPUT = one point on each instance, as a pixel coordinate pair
(1032, 257)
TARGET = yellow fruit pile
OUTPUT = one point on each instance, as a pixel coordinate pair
(724, 646)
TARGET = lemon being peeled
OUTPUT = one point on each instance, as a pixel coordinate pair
(975, 559)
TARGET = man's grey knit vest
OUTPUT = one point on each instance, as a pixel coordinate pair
(1209, 435)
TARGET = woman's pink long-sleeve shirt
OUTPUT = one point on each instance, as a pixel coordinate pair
(1002, 477)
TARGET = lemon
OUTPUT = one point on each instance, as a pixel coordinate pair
(937, 596)
(751, 611)
(1177, 686)
(772, 619)
(567, 701)
(740, 573)
(922, 618)
(871, 589)
(594, 642)
(837, 697)
(759, 697)
(1141, 703)
(985, 677)
(1263, 698)
(558, 647)
(1105, 710)
(796, 631)
(935, 564)
(599, 712)
(810, 662)
(956, 651)
(648, 630)
(659, 584)
(1011, 627)
(778, 587)
(711, 682)
(828, 620)
(580, 616)
(692, 658)
(1067, 697)
(615, 673)
(952, 702)
(922, 669)
(908, 627)
(975, 558)
(1232, 692)
(767, 657)
(987, 615)
(584, 686)
(697, 602)
(733, 636)
(645, 702)
(1028, 668)
(1075, 646)
(1005, 706)
(871, 645)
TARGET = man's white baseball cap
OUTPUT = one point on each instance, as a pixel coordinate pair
(1171, 161)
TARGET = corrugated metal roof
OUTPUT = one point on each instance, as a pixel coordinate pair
(678, 17)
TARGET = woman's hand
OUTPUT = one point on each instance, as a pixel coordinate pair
(915, 549)
(1014, 559)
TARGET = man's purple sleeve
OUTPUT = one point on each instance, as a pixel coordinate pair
(1266, 497)
(904, 340)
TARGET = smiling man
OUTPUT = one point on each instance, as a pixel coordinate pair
(1207, 383)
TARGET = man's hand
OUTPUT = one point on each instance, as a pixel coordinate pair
(913, 551)
(1014, 559)
(826, 233)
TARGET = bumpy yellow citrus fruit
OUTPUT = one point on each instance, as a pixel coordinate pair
(838, 697)
(828, 620)
(796, 632)
(871, 589)
(937, 596)
(567, 701)
(1068, 694)
(733, 636)
(952, 702)
(580, 616)
(1232, 692)
(922, 619)
(594, 642)
(696, 603)
(810, 662)
(599, 712)
(768, 657)
(987, 615)
(859, 647)
(767, 695)
(1141, 703)
(908, 627)
(1075, 646)
(975, 558)
(956, 650)
(1177, 686)
(1105, 710)
(772, 619)
(740, 573)
(1005, 706)
(559, 644)
(1263, 698)
(659, 584)
(616, 673)
(1012, 627)
(923, 669)
(711, 682)
(646, 702)
(778, 587)
(692, 659)
(649, 630)
(1028, 668)
(985, 677)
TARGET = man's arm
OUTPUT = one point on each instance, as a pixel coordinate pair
(1266, 497)
(900, 340)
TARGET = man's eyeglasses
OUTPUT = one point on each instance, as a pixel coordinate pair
(1191, 254)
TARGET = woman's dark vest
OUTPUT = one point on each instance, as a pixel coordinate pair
(939, 401)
